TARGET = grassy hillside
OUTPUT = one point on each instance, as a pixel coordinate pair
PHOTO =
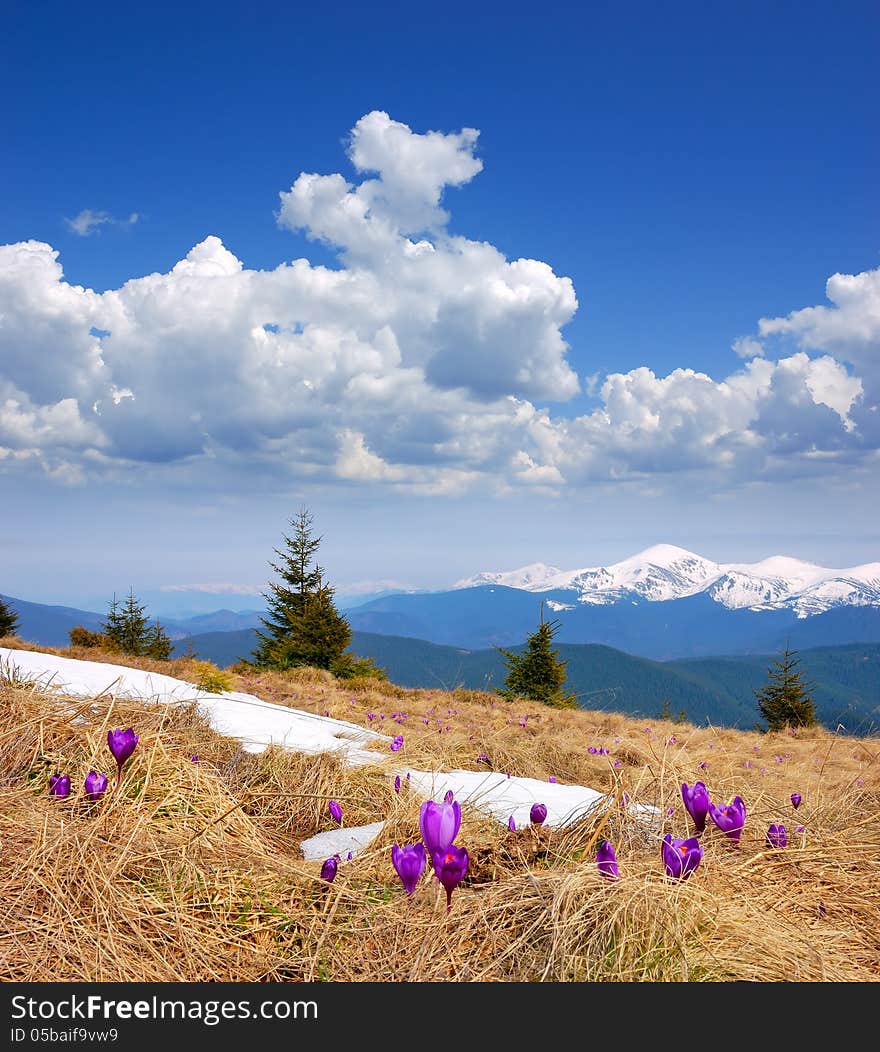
(193, 871)
(715, 690)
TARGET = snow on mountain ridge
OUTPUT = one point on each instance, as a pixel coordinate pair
(664, 572)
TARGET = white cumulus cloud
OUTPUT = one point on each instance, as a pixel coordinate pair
(425, 361)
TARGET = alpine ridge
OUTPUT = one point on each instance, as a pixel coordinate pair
(666, 572)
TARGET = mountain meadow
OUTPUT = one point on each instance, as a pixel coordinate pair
(192, 870)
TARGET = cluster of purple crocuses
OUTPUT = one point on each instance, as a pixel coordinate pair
(439, 825)
(122, 744)
(681, 856)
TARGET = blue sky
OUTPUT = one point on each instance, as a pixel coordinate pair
(571, 284)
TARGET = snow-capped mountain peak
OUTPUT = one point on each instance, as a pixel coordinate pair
(530, 578)
(665, 572)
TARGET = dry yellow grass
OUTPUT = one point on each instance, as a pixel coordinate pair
(192, 872)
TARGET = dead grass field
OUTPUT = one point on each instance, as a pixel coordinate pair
(192, 872)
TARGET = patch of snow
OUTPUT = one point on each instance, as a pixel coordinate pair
(501, 797)
(341, 841)
(256, 723)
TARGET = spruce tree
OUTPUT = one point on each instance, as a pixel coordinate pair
(318, 637)
(784, 700)
(538, 673)
(8, 619)
(303, 626)
(157, 643)
(128, 630)
(112, 627)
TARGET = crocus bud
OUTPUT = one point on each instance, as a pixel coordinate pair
(450, 866)
(796, 800)
(335, 811)
(697, 803)
(777, 836)
(606, 861)
(122, 744)
(439, 824)
(329, 868)
(681, 857)
(409, 862)
(59, 785)
(511, 824)
(397, 783)
(95, 785)
(538, 814)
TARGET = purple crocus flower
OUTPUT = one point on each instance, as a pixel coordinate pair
(511, 824)
(730, 818)
(397, 783)
(538, 814)
(95, 785)
(410, 864)
(697, 803)
(59, 785)
(681, 857)
(439, 824)
(450, 866)
(335, 811)
(606, 861)
(329, 868)
(796, 800)
(552, 778)
(397, 744)
(122, 744)
(777, 836)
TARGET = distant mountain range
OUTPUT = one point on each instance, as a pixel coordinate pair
(663, 603)
(665, 572)
(50, 625)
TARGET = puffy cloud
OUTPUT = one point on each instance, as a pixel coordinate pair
(850, 330)
(748, 347)
(88, 221)
(418, 364)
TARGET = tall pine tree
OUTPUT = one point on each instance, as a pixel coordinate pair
(784, 700)
(303, 626)
(538, 673)
(8, 619)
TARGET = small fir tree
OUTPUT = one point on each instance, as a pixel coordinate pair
(538, 673)
(112, 629)
(8, 619)
(158, 643)
(303, 626)
(127, 629)
(286, 600)
(784, 700)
